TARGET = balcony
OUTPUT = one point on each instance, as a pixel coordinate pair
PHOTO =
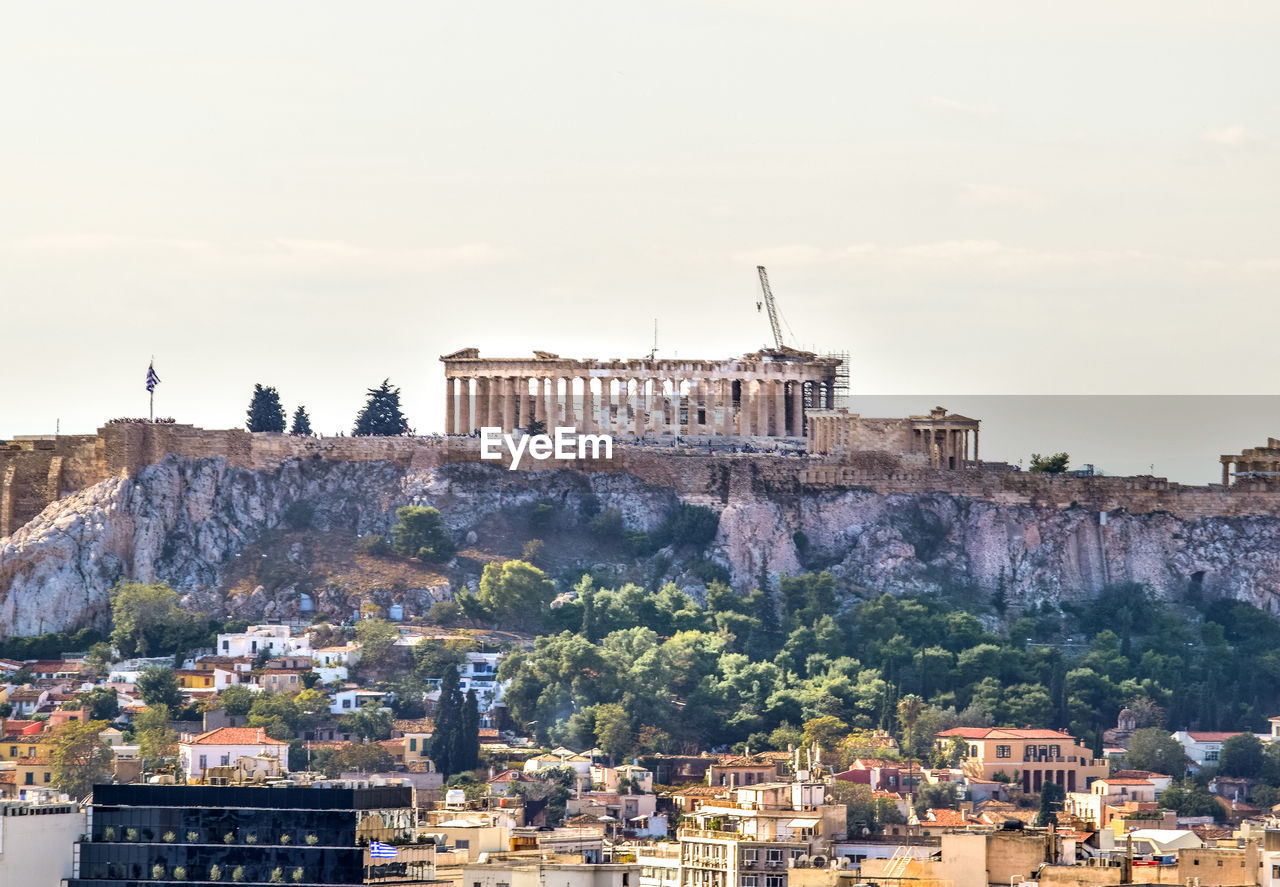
(708, 834)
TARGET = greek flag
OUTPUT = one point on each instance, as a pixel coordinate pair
(379, 850)
(152, 379)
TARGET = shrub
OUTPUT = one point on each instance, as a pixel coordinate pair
(192, 837)
(312, 839)
(180, 873)
(607, 524)
(228, 838)
(419, 532)
(157, 871)
(637, 542)
(374, 544)
(170, 837)
(237, 873)
(540, 515)
(215, 872)
(532, 548)
(444, 613)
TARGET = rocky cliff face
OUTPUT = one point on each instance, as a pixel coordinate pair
(185, 521)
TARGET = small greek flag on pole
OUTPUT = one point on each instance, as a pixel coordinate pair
(152, 379)
(379, 850)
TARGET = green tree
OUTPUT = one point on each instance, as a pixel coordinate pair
(377, 639)
(1241, 756)
(910, 708)
(150, 619)
(381, 413)
(470, 738)
(265, 412)
(446, 741)
(1052, 464)
(613, 730)
(1187, 798)
(359, 758)
(371, 722)
(553, 785)
(419, 532)
(156, 741)
(515, 590)
(1152, 748)
(102, 702)
(863, 809)
(825, 732)
(301, 422)
(236, 700)
(80, 759)
(1051, 797)
(158, 685)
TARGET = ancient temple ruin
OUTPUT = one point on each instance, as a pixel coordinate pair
(765, 394)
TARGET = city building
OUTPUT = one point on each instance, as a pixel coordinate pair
(252, 835)
(36, 842)
(276, 640)
(229, 747)
(1028, 756)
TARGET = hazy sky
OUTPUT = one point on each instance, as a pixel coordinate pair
(984, 198)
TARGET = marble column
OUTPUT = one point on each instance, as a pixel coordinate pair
(526, 403)
(570, 414)
(640, 406)
(508, 389)
(449, 404)
(604, 408)
(464, 407)
(777, 392)
(483, 392)
(588, 406)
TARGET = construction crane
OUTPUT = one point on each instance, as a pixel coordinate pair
(772, 308)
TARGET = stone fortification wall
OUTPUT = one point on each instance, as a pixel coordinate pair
(37, 471)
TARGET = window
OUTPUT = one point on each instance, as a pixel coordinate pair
(773, 881)
(31, 752)
(1211, 755)
(47, 774)
(413, 744)
(773, 855)
(464, 844)
(973, 751)
(13, 751)
(204, 762)
(626, 879)
(31, 778)
(749, 854)
(750, 881)
(226, 760)
(346, 703)
(1003, 751)
(1055, 751)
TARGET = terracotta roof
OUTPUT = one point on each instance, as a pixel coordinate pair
(1110, 780)
(947, 817)
(415, 725)
(1210, 736)
(967, 732)
(699, 791)
(510, 776)
(874, 763)
(1139, 774)
(235, 736)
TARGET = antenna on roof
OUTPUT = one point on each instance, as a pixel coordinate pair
(653, 352)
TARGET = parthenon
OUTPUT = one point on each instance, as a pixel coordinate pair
(764, 394)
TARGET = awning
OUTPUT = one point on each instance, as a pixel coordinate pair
(802, 823)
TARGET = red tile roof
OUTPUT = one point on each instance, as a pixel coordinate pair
(1210, 736)
(235, 736)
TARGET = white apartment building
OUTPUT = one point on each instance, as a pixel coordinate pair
(276, 640)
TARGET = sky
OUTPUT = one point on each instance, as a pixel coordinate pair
(982, 198)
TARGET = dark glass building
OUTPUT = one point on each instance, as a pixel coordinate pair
(250, 835)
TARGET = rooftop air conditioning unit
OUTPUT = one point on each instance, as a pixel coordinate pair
(819, 862)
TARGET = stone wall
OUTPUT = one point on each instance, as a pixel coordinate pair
(36, 471)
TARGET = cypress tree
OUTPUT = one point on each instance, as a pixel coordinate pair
(301, 422)
(265, 412)
(444, 742)
(470, 732)
(381, 413)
